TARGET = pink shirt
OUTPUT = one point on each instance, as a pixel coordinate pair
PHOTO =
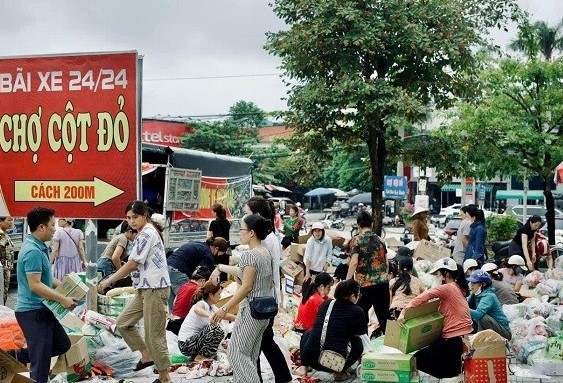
(453, 306)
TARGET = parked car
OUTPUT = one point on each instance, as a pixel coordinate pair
(446, 213)
(518, 211)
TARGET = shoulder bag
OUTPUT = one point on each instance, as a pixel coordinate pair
(329, 359)
(262, 308)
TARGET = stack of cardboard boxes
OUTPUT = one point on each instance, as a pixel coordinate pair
(423, 325)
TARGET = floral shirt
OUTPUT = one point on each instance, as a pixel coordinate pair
(372, 266)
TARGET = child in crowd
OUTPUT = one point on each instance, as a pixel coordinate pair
(311, 300)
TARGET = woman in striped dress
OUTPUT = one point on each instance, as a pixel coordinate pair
(254, 276)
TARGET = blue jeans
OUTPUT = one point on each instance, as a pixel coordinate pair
(177, 279)
(105, 266)
(45, 338)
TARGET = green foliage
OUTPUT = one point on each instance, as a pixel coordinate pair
(357, 70)
(221, 137)
(247, 114)
(538, 38)
(501, 227)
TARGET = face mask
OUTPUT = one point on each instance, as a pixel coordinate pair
(478, 292)
(438, 280)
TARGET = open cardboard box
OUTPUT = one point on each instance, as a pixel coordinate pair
(428, 250)
(423, 325)
(11, 369)
(75, 362)
(229, 289)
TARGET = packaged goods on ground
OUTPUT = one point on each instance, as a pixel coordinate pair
(485, 358)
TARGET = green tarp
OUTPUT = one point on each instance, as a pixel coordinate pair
(519, 194)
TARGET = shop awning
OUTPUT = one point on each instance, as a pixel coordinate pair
(519, 194)
(453, 187)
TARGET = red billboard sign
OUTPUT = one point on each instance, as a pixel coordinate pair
(166, 133)
(69, 134)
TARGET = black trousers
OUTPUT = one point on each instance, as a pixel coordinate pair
(274, 356)
(45, 338)
(310, 357)
(442, 359)
(376, 296)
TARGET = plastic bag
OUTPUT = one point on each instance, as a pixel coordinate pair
(558, 263)
(172, 343)
(118, 357)
(531, 280)
(513, 312)
(11, 334)
(423, 266)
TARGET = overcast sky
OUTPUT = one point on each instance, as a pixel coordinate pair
(180, 40)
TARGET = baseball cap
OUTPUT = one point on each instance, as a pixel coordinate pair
(479, 276)
(517, 260)
(445, 264)
(317, 225)
(489, 267)
(469, 263)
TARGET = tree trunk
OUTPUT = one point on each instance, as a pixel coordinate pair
(550, 210)
(377, 154)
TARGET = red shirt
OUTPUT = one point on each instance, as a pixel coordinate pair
(307, 313)
(183, 301)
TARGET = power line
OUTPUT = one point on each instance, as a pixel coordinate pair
(212, 77)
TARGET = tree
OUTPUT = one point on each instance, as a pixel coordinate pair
(357, 69)
(515, 127)
(247, 114)
(538, 38)
(221, 137)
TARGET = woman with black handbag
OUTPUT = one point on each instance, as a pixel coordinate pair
(334, 344)
(254, 277)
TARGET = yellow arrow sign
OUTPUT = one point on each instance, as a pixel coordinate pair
(96, 191)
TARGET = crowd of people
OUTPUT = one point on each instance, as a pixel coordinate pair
(179, 291)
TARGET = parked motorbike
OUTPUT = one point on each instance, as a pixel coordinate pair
(337, 223)
(500, 249)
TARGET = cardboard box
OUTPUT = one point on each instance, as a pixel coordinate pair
(10, 370)
(229, 288)
(296, 252)
(290, 268)
(71, 286)
(385, 376)
(338, 241)
(488, 362)
(72, 323)
(303, 238)
(393, 243)
(431, 251)
(387, 362)
(75, 362)
(423, 325)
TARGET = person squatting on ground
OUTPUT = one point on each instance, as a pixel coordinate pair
(6, 255)
(345, 326)
(115, 253)
(370, 267)
(513, 272)
(185, 259)
(442, 359)
(67, 250)
(404, 287)
(503, 290)
(261, 206)
(44, 334)
(183, 301)
(254, 275)
(311, 299)
(485, 308)
(149, 272)
(199, 338)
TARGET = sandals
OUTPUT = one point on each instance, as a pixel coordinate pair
(142, 365)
